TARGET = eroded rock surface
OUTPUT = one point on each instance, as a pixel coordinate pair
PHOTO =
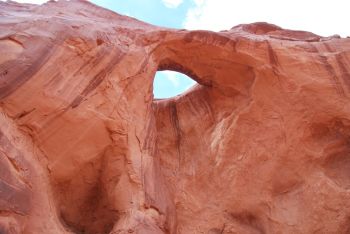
(260, 145)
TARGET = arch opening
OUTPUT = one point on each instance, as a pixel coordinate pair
(168, 84)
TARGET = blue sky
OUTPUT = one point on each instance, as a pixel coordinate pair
(323, 17)
(167, 13)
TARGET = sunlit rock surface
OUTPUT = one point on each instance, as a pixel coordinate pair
(260, 145)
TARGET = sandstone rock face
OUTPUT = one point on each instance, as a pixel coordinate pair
(260, 145)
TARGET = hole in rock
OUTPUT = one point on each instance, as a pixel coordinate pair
(169, 84)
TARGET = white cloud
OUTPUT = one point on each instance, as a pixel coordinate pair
(172, 77)
(322, 17)
(172, 3)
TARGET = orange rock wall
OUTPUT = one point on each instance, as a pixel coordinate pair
(260, 145)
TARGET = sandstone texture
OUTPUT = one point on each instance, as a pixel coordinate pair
(260, 145)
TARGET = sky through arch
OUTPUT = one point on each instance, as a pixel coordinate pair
(168, 84)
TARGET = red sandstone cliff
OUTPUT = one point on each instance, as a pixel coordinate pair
(260, 145)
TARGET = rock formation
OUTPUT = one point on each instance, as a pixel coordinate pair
(260, 145)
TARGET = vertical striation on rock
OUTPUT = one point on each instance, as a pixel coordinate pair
(260, 145)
